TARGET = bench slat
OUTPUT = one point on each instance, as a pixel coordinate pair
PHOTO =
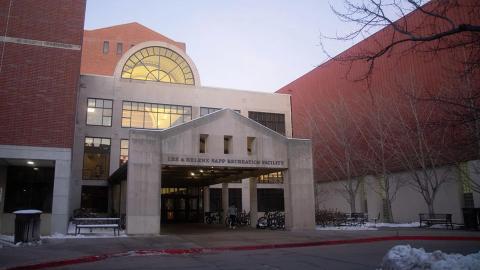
(98, 226)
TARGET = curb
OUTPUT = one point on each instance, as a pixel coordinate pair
(172, 251)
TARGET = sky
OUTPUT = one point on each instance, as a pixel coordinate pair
(248, 45)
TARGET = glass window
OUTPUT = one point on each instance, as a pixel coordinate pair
(154, 116)
(235, 198)
(227, 144)
(95, 199)
(99, 112)
(273, 121)
(203, 143)
(123, 151)
(29, 188)
(158, 64)
(271, 178)
(270, 199)
(119, 48)
(96, 158)
(105, 47)
(207, 110)
(215, 199)
(251, 145)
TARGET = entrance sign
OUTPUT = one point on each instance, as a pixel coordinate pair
(221, 161)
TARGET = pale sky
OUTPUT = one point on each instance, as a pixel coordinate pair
(248, 45)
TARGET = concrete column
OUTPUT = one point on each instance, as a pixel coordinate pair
(245, 195)
(61, 198)
(206, 199)
(143, 183)
(3, 184)
(224, 200)
(298, 186)
(252, 190)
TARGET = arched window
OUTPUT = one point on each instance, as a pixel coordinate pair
(158, 64)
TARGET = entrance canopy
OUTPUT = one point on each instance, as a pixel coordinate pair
(217, 148)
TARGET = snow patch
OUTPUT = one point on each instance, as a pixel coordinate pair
(28, 211)
(404, 257)
(346, 228)
(394, 225)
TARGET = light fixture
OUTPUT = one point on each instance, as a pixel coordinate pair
(91, 109)
(30, 162)
(35, 169)
(201, 171)
(192, 174)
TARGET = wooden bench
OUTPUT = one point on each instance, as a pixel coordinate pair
(91, 223)
(432, 219)
(352, 219)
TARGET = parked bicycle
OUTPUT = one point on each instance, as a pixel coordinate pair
(212, 217)
(272, 220)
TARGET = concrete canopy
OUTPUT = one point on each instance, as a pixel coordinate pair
(155, 157)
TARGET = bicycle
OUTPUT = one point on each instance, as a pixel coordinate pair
(212, 217)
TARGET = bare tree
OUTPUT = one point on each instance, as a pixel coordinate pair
(420, 146)
(377, 120)
(439, 28)
(335, 137)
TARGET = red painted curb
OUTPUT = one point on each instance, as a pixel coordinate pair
(147, 252)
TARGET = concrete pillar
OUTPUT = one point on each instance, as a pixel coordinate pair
(298, 186)
(246, 195)
(252, 190)
(3, 184)
(224, 200)
(143, 183)
(61, 197)
(206, 199)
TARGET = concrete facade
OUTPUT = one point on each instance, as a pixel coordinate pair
(408, 202)
(119, 90)
(57, 221)
(178, 146)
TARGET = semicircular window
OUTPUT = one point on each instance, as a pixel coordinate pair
(158, 64)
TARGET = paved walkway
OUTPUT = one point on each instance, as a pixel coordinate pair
(199, 238)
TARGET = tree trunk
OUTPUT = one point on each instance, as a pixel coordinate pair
(387, 215)
(352, 203)
(430, 208)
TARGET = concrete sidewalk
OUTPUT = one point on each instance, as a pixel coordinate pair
(200, 237)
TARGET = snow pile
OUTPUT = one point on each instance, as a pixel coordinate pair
(96, 233)
(346, 228)
(394, 225)
(404, 257)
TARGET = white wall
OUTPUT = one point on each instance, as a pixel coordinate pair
(408, 203)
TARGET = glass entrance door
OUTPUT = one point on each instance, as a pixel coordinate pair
(181, 205)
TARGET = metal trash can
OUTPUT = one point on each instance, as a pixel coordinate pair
(471, 218)
(27, 225)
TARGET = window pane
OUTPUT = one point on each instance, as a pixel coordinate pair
(94, 116)
(107, 112)
(125, 122)
(91, 102)
(150, 120)
(127, 105)
(107, 121)
(96, 159)
(163, 120)
(107, 104)
(137, 119)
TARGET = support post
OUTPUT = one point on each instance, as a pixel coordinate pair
(252, 187)
(298, 186)
(224, 200)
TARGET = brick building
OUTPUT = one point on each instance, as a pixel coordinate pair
(334, 107)
(40, 52)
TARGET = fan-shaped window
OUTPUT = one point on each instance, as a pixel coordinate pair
(158, 64)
